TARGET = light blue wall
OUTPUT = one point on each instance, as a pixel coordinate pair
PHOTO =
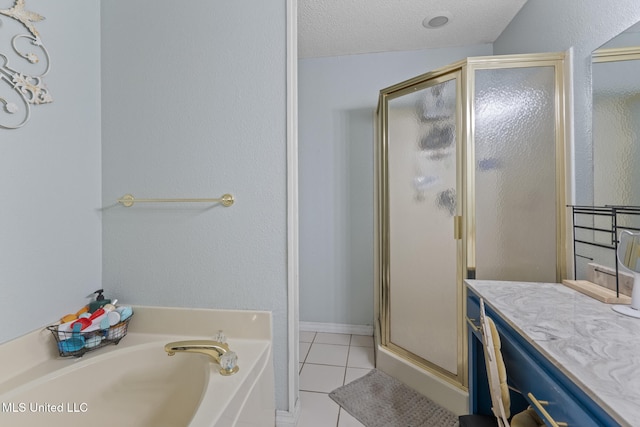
(337, 102)
(50, 174)
(584, 25)
(194, 106)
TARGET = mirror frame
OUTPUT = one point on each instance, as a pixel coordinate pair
(615, 54)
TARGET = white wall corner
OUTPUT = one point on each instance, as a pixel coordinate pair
(569, 124)
(288, 418)
(570, 155)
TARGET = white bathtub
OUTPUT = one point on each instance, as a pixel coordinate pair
(137, 384)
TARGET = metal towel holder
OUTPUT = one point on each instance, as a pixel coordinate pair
(128, 200)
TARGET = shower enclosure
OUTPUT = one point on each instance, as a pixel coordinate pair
(470, 184)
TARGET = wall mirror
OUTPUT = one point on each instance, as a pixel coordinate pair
(616, 120)
(616, 153)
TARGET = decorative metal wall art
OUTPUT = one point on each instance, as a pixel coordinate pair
(25, 83)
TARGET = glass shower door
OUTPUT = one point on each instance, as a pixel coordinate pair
(518, 173)
(422, 157)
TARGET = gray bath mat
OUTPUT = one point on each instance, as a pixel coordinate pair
(378, 400)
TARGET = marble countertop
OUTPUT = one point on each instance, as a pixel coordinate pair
(596, 347)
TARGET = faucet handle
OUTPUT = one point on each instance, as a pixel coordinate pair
(220, 337)
(229, 363)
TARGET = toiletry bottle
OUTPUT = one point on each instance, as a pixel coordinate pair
(99, 301)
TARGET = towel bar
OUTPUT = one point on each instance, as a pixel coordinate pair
(128, 200)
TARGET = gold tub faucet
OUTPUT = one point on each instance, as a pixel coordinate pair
(218, 351)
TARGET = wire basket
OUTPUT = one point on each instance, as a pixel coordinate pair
(78, 343)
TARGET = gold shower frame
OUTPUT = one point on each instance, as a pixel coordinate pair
(464, 224)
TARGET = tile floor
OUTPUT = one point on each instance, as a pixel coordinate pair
(327, 362)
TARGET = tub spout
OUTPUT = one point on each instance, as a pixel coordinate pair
(217, 351)
(213, 349)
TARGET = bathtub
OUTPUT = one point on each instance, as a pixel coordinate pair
(136, 384)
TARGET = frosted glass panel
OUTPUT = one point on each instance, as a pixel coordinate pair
(616, 133)
(422, 204)
(515, 174)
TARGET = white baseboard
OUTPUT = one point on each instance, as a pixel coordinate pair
(337, 328)
(288, 418)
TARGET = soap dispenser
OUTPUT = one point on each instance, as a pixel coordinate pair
(99, 301)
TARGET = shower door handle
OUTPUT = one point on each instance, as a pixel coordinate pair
(457, 227)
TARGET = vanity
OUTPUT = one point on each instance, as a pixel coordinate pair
(565, 352)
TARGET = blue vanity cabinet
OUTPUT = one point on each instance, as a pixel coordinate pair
(529, 372)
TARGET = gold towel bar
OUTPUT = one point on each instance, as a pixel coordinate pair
(128, 200)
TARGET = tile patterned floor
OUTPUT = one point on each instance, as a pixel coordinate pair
(328, 361)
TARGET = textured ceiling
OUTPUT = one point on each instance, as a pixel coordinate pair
(346, 27)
